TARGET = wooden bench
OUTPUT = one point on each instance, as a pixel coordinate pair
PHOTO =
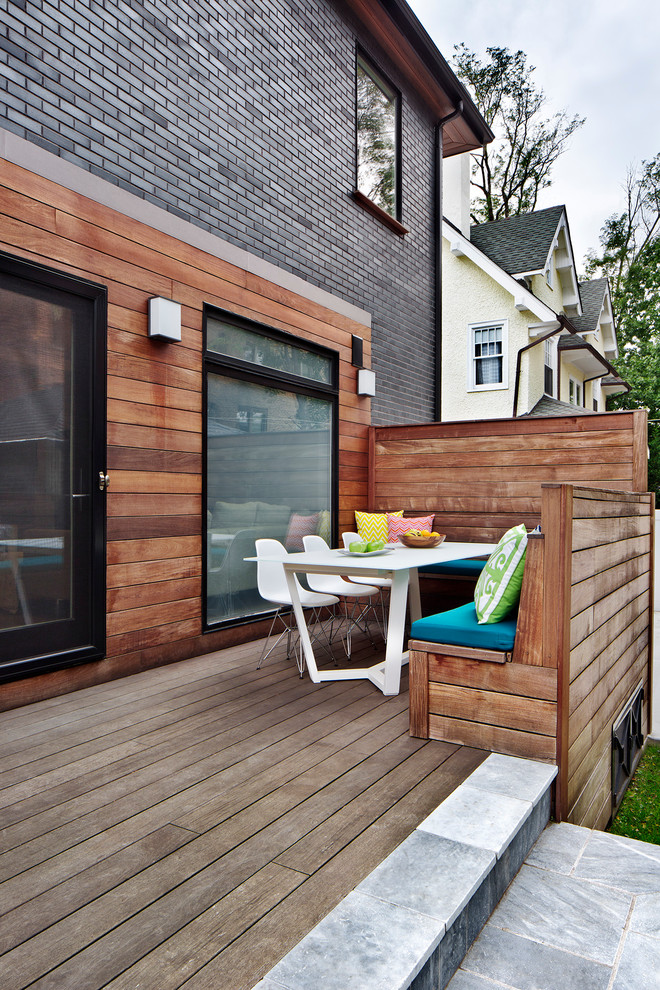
(500, 700)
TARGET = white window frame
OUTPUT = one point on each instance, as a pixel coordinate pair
(550, 361)
(503, 327)
(575, 392)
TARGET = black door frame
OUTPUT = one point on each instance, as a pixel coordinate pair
(94, 564)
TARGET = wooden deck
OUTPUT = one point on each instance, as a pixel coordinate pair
(186, 826)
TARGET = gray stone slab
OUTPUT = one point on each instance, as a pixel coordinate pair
(430, 874)
(480, 818)
(526, 780)
(559, 847)
(564, 912)
(267, 984)
(470, 981)
(646, 915)
(639, 968)
(363, 944)
(627, 864)
(526, 965)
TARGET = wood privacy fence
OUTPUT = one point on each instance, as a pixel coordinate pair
(583, 479)
(582, 653)
(481, 477)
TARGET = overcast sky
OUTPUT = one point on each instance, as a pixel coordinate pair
(599, 59)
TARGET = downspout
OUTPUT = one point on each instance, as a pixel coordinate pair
(438, 258)
(563, 325)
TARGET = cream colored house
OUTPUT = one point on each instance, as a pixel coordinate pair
(520, 334)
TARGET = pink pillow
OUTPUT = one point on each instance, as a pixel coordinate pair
(396, 526)
(300, 526)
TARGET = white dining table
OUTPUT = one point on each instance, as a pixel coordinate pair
(400, 564)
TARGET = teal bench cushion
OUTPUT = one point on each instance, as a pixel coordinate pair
(467, 567)
(459, 627)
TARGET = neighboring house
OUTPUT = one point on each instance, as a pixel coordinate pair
(521, 335)
(270, 176)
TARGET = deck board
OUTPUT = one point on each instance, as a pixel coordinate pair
(186, 826)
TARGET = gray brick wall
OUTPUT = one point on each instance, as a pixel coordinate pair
(238, 116)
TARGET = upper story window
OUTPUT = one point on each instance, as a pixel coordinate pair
(488, 356)
(574, 392)
(550, 357)
(378, 139)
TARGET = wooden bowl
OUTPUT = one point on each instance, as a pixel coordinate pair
(421, 542)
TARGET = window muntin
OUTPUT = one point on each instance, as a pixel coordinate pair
(488, 356)
(377, 118)
(270, 456)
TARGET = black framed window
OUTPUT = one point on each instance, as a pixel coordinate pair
(270, 455)
(378, 133)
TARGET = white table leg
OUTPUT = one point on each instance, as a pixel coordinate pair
(395, 631)
(299, 613)
(414, 596)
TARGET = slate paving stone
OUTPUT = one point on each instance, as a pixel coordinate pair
(369, 928)
(646, 915)
(480, 818)
(513, 777)
(522, 964)
(619, 862)
(559, 847)
(430, 874)
(564, 912)
(639, 968)
(470, 981)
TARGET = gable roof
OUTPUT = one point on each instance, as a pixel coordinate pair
(522, 243)
(592, 295)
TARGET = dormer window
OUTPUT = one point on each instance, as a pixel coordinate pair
(549, 279)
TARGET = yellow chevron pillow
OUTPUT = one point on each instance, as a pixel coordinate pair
(373, 525)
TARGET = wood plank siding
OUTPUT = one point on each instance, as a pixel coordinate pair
(154, 412)
(481, 477)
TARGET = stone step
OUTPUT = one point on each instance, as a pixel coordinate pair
(410, 923)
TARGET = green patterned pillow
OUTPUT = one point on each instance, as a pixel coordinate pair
(373, 525)
(498, 588)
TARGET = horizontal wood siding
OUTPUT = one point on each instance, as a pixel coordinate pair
(154, 409)
(479, 478)
(611, 611)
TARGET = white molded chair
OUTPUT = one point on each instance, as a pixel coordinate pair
(271, 582)
(348, 592)
(383, 584)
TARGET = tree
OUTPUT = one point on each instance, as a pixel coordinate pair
(630, 258)
(511, 172)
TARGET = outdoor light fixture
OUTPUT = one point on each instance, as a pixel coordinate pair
(164, 319)
(366, 382)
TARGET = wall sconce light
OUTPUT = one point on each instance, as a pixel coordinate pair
(164, 319)
(366, 382)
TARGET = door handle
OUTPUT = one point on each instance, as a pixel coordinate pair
(104, 481)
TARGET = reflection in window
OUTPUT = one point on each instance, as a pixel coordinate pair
(269, 460)
(267, 352)
(377, 126)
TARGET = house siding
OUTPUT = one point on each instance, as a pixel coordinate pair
(487, 302)
(239, 118)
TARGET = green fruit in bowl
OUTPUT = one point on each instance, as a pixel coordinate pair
(375, 545)
(358, 547)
